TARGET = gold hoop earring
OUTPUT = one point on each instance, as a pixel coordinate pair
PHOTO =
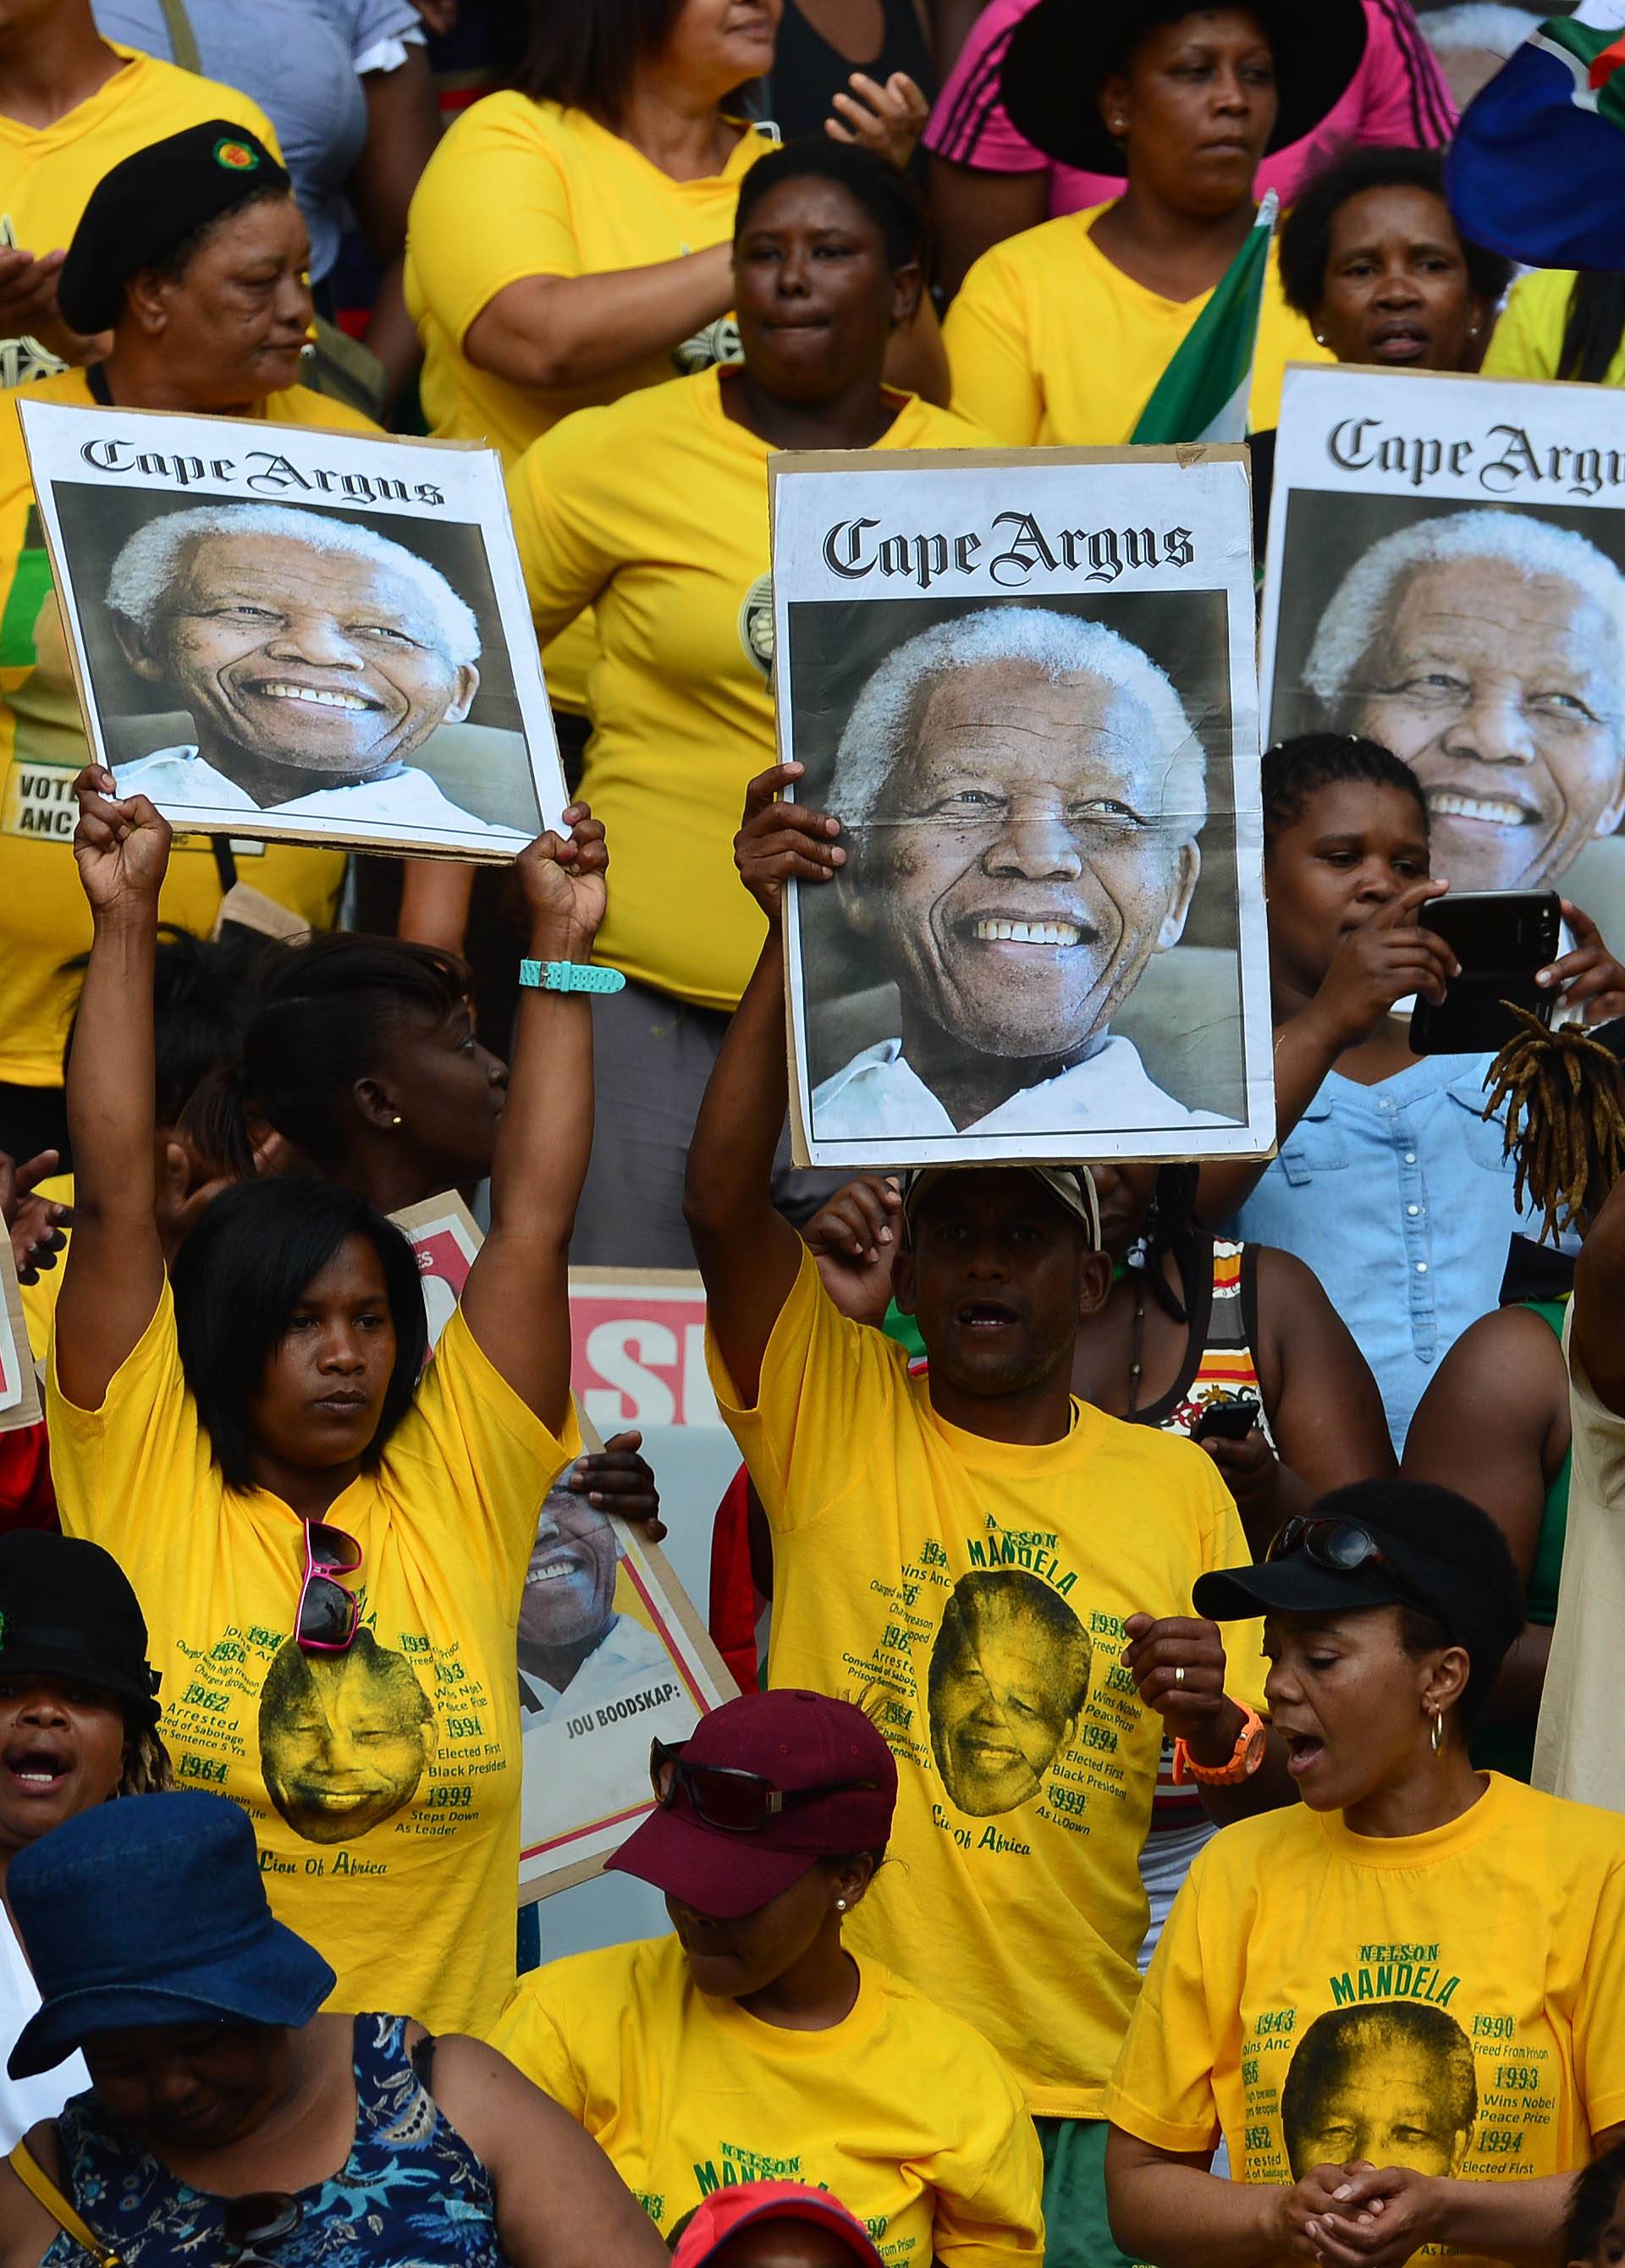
(1437, 1733)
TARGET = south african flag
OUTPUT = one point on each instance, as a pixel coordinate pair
(1537, 170)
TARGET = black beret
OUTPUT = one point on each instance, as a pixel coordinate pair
(148, 206)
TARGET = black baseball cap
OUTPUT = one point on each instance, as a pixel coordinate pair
(67, 1610)
(1438, 1552)
(147, 206)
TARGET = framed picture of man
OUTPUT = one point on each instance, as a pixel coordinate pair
(611, 1655)
(279, 633)
(1446, 576)
(1024, 684)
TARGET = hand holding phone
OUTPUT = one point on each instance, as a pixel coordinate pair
(1226, 1421)
(1502, 939)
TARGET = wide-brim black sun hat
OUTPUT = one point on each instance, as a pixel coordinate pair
(1059, 55)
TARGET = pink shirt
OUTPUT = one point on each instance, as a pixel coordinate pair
(1398, 95)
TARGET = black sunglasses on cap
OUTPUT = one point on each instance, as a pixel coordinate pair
(721, 1796)
(1341, 1547)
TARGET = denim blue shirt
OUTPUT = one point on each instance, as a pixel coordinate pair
(1398, 1198)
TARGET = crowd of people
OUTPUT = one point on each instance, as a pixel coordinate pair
(1175, 1820)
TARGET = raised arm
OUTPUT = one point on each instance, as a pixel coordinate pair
(749, 1254)
(115, 1266)
(516, 1299)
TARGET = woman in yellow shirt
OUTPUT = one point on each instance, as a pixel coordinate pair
(751, 2043)
(221, 332)
(654, 511)
(1402, 2000)
(1060, 334)
(569, 241)
(1558, 324)
(329, 1542)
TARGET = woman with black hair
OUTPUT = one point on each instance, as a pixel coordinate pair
(604, 181)
(653, 512)
(1559, 324)
(1390, 1183)
(259, 1447)
(1401, 2001)
(1062, 335)
(1371, 257)
(361, 1057)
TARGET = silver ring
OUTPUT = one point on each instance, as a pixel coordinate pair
(1179, 1674)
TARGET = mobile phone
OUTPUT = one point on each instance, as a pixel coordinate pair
(1501, 937)
(1226, 1421)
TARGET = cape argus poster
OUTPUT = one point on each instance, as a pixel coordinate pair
(279, 633)
(1024, 682)
(1445, 577)
(611, 1654)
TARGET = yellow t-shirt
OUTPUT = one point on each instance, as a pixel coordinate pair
(384, 1782)
(1453, 2001)
(44, 919)
(962, 1591)
(556, 195)
(903, 2111)
(1050, 343)
(47, 174)
(1528, 339)
(654, 511)
(520, 188)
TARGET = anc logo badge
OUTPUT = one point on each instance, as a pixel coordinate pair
(236, 157)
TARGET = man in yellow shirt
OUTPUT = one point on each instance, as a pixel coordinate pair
(1001, 1574)
(73, 105)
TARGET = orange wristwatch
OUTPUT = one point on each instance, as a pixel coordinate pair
(1245, 1757)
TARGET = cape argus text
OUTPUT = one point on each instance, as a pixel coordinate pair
(1100, 554)
(1360, 445)
(265, 472)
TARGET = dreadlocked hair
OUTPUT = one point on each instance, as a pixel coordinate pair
(147, 1769)
(1171, 1227)
(1564, 1096)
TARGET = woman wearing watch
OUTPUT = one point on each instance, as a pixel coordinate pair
(1400, 2001)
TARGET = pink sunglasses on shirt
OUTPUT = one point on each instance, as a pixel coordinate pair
(327, 1613)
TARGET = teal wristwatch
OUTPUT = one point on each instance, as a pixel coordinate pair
(569, 976)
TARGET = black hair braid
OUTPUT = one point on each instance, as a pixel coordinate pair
(1564, 1096)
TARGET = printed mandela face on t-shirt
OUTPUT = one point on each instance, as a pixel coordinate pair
(345, 1738)
(1392, 2084)
(1008, 1678)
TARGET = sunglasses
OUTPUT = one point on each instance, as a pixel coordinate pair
(327, 1613)
(264, 2217)
(736, 1802)
(1341, 1547)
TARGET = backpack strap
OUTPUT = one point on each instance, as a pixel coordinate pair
(182, 38)
(38, 2184)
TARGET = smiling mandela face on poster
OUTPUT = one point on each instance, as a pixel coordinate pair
(1045, 930)
(1445, 577)
(287, 632)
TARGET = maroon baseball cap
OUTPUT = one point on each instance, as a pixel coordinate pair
(725, 2212)
(824, 1753)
